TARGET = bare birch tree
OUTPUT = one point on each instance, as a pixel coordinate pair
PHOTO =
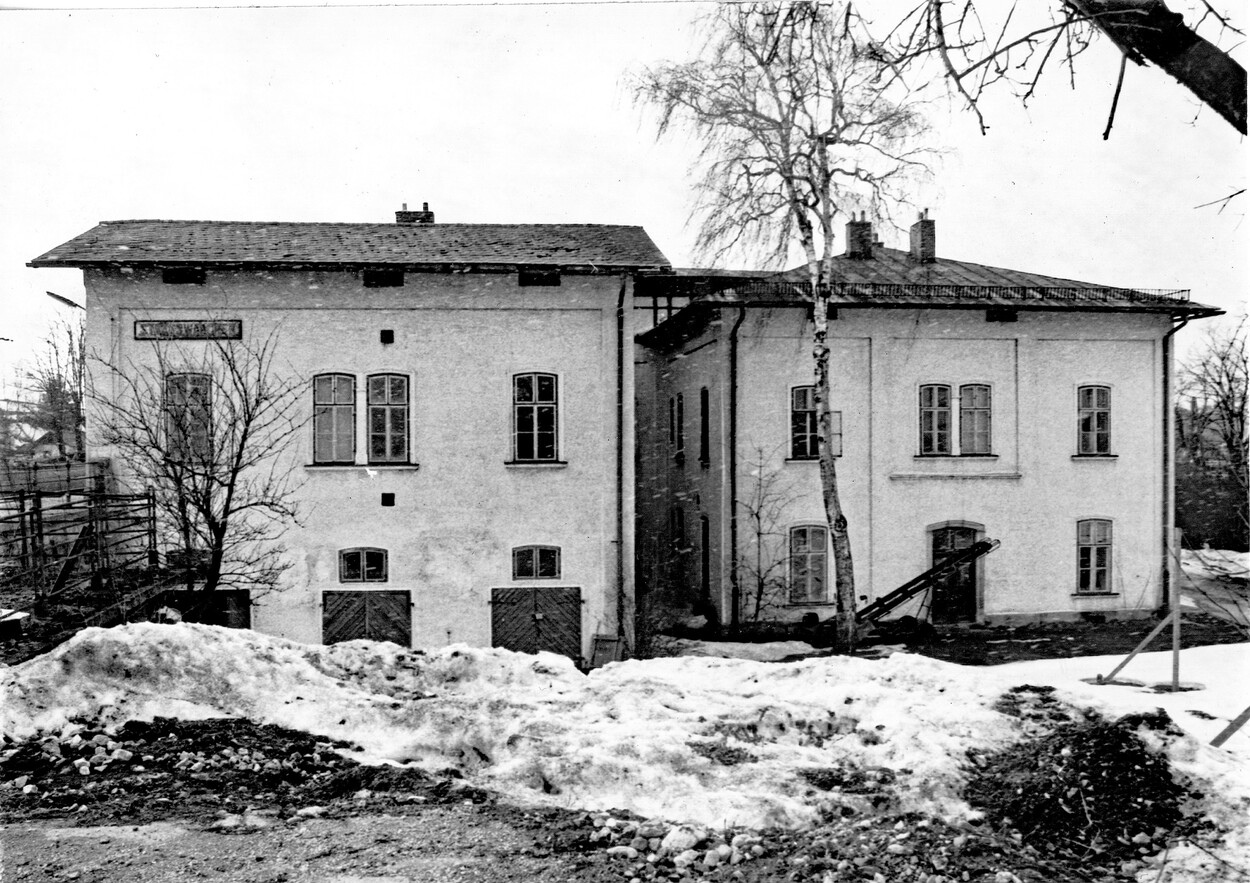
(208, 430)
(797, 129)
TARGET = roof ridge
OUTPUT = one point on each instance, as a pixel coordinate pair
(388, 224)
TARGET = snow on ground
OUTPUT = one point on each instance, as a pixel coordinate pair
(638, 735)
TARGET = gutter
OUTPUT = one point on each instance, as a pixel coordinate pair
(620, 460)
(735, 603)
(1171, 595)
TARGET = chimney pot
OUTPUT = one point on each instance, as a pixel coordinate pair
(425, 216)
(923, 236)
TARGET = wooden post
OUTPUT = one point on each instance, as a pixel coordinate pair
(1233, 726)
(153, 558)
(37, 543)
(27, 564)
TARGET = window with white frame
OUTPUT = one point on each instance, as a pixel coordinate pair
(188, 418)
(1093, 556)
(536, 562)
(388, 418)
(1093, 405)
(935, 419)
(334, 418)
(805, 427)
(362, 565)
(535, 418)
(809, 562)
(974, 418)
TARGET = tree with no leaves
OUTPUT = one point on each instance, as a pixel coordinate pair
(57, 382)
(206, 428)
(977, 47)
(1215, 381)
(798, 129)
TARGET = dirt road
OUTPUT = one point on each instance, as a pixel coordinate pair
(447, 844)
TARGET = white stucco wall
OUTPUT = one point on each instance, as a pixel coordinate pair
(459, 338)
(1029, 493)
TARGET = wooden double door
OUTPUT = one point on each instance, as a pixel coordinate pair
(528, 619)
(375, 616)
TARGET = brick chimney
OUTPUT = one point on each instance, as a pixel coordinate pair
(425, 216)
(924, 239)
(859, 237)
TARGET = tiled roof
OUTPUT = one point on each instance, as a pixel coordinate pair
(411, 245)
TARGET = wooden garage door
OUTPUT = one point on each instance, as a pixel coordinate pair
(377, 616)
(529, 619)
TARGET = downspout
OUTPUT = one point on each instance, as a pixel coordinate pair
(1168, 477)
(735, 602)
(620, 460)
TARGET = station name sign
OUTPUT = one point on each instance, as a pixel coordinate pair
(188, 329)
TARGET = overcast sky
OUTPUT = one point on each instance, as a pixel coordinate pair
(521, 114)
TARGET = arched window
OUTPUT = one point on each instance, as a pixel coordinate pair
(536, 562)
(362, 565)
(535, 421)
(809, 564)
(334, 418)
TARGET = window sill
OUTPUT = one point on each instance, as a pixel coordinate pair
(536, 464)
(357, 467)
(1095, 456)
(811, 603)
(1095, 594)
(955, 457)
(809, 459)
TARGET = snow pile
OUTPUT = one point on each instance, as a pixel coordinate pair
(710, 740)
(1215, 563)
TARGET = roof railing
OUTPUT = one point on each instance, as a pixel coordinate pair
(868, 291)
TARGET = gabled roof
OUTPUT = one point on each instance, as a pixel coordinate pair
(584, 247)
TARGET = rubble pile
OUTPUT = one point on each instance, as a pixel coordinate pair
(1084, 786)
(143, 771)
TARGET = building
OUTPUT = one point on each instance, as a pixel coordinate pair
(492, 413)
(969, 402)
(466, 470)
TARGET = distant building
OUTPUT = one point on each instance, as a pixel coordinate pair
(969, 402)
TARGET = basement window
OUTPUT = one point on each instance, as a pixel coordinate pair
(183, 275)
(383, 278)
(362, 566)
(538, 277)
(536, 562)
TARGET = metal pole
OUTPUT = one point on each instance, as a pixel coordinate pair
(1174, 600)
(1102, 679)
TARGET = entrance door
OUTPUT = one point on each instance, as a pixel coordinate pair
(376, 616)
(954, 595)
(528, 619)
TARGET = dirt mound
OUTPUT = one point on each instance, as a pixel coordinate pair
(142, 771)
(1085, 786)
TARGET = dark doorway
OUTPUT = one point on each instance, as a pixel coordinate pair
(375, 616)
(954, 595)
(529, 619)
